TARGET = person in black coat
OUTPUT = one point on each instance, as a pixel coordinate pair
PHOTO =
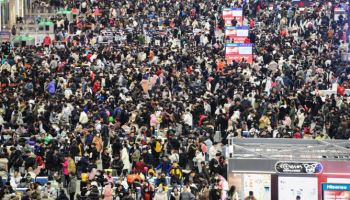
(16, 159)
(214, 165)
(147, 157)
(74, 149)
(116, 146)
(105, 135)
(52, 161)
(117, 164)
(62, 196)
(183, 158)
(26, 196)
(29, 162)
(106, 159)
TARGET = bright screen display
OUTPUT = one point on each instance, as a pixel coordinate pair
(260, 184)
(291, 187)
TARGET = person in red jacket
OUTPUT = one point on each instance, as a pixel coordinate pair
(251, 23)
(140, 166)
(47, 40)
(201, 119)
(97, 86)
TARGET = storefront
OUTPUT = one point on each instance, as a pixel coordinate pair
(287, 168)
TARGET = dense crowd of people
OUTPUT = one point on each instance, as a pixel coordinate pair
(134, 99)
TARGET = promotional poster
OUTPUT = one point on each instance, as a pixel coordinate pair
(239, 52)
(228, 14)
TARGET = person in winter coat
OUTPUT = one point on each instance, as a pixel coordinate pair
(51, 87)
(251, 196)
(52, 161)
(186, 194)
(200, 157)
(232, 193)
(83, 118)
(72, 186)
(204, 193)
(147, 190)
(117, 165)
(165, 165)
(108, 192)
(125, 159)
(98, 142)
(175, 173)
(47, 41)
(175, 194)
(97, 86)
(161, 194)
(62, 196)
(136, 154)
(140, 166)
(15, 179)
(72, 168)
(106, 159)
(66, 171)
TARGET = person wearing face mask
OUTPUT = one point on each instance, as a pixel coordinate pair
(147, 191)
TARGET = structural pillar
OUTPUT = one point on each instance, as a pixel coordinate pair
(12, 13)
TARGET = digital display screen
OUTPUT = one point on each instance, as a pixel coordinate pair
(291, 187)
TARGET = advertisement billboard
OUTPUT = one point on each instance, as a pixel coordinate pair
(335, 191)
(228, 14)
(260, 184)
(238, 52)
(5, 36)
(291, 187)
(238, 33)
(341, 9)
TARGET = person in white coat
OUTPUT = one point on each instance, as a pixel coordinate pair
(301, 117)
(15, 179)
(83, 118)
(200, 157)
(161, 194)
(125, 158)
(188, 118)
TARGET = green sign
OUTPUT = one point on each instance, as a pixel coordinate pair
(46, 23)
(24, 38)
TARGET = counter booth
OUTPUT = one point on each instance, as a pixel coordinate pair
(23, 40)
(286, 168)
